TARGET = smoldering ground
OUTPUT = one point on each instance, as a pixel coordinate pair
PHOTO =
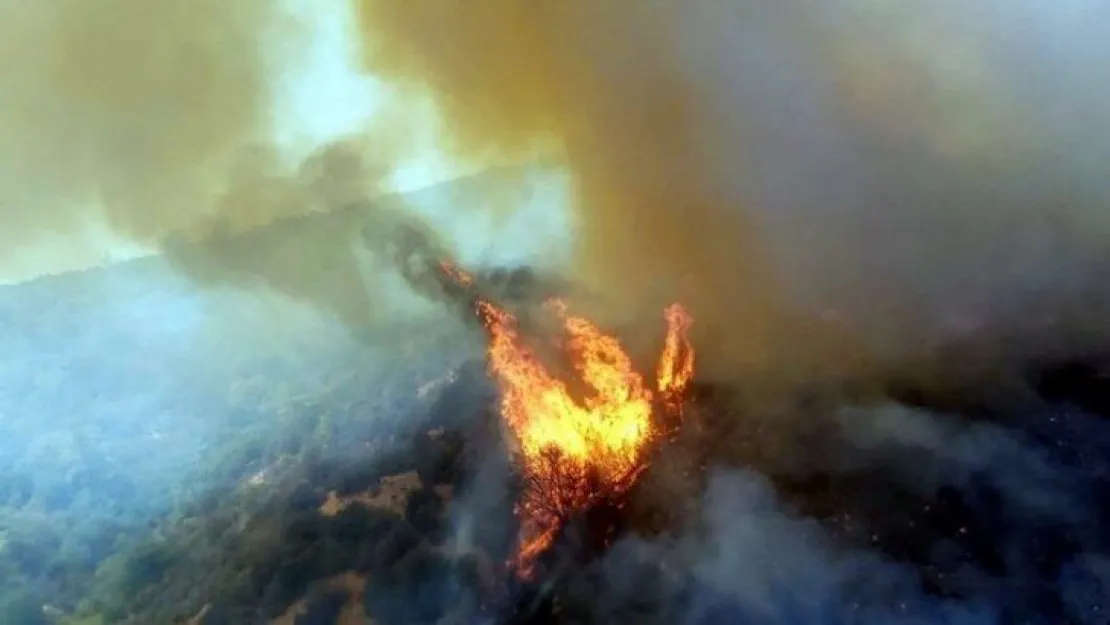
(890, 515)
(130, 113)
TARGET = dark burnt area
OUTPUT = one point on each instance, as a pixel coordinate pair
(957, 540)
(1083, 382)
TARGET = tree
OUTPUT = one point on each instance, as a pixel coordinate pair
(23, 608)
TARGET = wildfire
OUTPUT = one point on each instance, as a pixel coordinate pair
(676, 364)
(574, 450)
(573, 453)
(456, 274)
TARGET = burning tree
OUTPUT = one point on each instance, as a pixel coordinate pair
(574, 450)
(575, 453)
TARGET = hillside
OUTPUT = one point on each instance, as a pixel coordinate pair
(132, 394)
(269, 428)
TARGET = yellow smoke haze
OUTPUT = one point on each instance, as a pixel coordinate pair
(594, 82)
(895, 160)
(138, 109)
(902, 166)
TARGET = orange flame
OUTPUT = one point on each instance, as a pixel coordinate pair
(574, 453)
(456, 273)
(676, 364)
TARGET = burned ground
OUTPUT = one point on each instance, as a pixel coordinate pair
(937, 527)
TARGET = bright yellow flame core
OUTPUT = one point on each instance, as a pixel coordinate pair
(572, 452)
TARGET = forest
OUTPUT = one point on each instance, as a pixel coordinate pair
(148, 459)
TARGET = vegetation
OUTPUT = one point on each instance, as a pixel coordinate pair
(249, 551)
(154, 461)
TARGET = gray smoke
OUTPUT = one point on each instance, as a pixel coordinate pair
(911, 173)
(758, 557)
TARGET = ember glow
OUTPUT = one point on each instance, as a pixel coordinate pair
(574, 452)
(456, 274)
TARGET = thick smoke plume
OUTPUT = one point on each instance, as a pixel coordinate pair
(909, 171)
(139, 114)
(150, 125)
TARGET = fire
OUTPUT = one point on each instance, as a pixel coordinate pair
(676, 364)
(458, 275)
(573, 452)
(576, 449)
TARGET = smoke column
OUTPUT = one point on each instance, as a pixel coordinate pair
(909, 171)
(135, 113)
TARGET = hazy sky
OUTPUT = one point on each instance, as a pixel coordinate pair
(318, 97)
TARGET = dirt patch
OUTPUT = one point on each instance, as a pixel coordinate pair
(392, 495)
(352, 614)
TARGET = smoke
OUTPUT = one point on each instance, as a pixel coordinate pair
(148, 126)
(911, 171)
(761, 563)
(136, 114)
(950, 541)
(906, 172)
